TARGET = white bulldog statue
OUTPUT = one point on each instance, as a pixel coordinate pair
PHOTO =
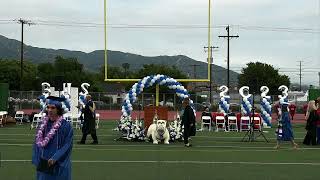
(159, 132)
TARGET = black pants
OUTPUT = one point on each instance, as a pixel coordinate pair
(186, 135)
(310, 137)
(93, 135)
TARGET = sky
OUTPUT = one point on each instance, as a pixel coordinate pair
(277, 32)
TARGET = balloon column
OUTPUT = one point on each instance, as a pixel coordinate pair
(265, 106)
(67, 95)
(45, 93)
(283, 100)
(125, 124)
(246, 103)
(224, 100)
(82, 95)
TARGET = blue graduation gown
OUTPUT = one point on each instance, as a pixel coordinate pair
(59, 148)
(287, 132)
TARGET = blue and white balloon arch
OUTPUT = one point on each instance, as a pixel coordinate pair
(149, 81)
(133, 130)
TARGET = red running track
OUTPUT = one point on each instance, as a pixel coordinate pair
(115, 115)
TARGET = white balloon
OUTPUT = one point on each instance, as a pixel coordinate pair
(134, 94)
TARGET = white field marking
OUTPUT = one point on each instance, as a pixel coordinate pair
(173, 146)
(178, 150)
(102, 135)
(181, 162)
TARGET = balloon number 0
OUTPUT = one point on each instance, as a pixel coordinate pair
(244, 89)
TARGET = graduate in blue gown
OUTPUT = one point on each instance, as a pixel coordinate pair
(284, 131)
(53, 145)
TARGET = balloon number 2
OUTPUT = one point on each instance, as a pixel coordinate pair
(264, 91)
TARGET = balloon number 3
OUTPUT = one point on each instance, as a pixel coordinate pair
(284, 89)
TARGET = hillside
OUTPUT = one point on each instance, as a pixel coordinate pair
(10, 49)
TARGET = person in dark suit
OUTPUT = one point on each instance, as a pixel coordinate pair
(189, 122)
(89, 122)
(311, 126)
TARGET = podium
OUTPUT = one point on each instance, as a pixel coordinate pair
(149, 112)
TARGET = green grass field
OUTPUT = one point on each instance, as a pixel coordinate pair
(215, 155)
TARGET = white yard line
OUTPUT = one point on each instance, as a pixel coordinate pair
(181, 162)
(97, 147)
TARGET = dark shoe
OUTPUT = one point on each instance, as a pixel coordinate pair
(94, 142)
(80, 142)
(188, 145)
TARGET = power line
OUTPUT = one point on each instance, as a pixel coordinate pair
(228, 55)
(22, 22)
(167, 26)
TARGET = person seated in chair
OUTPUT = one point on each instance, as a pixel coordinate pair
(206, 112)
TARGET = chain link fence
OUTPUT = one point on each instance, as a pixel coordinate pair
(112, 101)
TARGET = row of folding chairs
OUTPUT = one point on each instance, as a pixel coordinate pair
(230, 123)
(74, 121)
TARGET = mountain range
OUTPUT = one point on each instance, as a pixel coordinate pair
(10, 49)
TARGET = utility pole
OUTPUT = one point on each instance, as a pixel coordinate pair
(211, 49)
(22, 22)
(300, 74)
(228, 55)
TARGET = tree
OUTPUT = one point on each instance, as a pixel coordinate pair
(125, 66)
(259, 74)
(153, 69)
(9, 73)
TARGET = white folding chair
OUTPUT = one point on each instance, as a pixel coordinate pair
(206, 120)
(1, 119)
(19, 116)
(77, 121)
(68, 117)
(97, 120)
(257, 123)
(36, 120)
(232, 123)
(3, 116)
(244, 123)
(220, 123)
